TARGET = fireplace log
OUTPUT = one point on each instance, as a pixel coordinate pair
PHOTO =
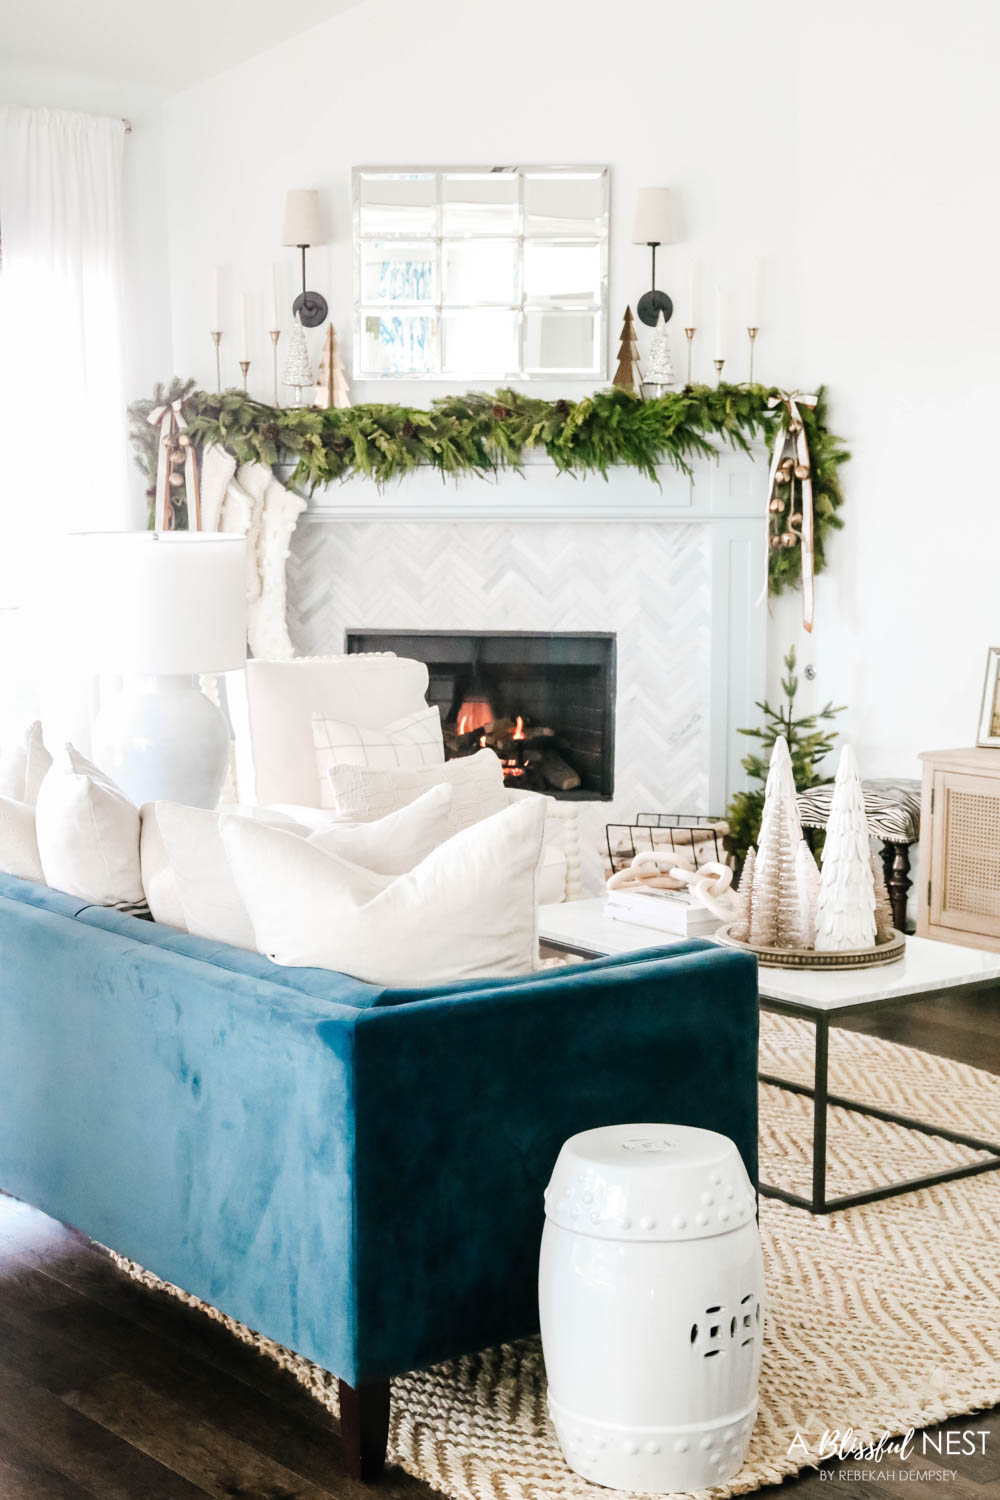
(558, 773)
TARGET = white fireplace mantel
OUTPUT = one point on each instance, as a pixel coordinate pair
(732, 486)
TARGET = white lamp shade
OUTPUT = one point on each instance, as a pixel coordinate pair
(654, 217)
(302, 226)
(160, 603)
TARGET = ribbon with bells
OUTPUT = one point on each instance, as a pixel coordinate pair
(786, 471)
(175, 448)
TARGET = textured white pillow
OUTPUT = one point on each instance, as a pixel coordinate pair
(468, 911)
(208, 892)
(88, 835)
(362, 793)
(23, 770)
(18, 845)
(406, 743)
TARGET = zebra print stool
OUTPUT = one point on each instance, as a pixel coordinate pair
(893, 811)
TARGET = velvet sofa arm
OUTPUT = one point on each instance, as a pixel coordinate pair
(462, 1103)
(191, 1117)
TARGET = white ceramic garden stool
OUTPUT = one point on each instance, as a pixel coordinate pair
(651, 1304)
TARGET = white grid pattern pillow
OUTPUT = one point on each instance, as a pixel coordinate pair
(404, 745)
(362, 794)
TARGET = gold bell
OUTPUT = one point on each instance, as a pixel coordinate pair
(788, 539)
(801, 471)
(184, 439)
(776, 503)
(176, 479)
(774, 542)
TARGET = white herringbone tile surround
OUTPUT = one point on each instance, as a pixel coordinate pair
(649, 583)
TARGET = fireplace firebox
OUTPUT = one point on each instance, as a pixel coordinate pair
(545, 702)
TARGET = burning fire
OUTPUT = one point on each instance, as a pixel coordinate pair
(475, 713)
(518, 729)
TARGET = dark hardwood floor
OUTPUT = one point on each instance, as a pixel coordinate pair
(116, 1393)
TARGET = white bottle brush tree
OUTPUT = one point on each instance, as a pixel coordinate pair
(298, 371)
(777, 918)
(660, 369)
(845, 909)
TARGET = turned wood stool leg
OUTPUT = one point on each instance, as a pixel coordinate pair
(896, 863)
(364, 1428)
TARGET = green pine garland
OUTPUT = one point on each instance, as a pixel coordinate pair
(479, 433)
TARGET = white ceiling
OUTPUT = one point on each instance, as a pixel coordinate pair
(166, 46)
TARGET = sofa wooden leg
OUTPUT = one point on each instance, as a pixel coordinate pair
(364, 1428)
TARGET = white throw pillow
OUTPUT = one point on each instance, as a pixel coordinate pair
(362, 793)
(18, 845)
(406, 743)
(88, 835)
(24, 768)
(468, 911)
(208, 892)
(158, 879)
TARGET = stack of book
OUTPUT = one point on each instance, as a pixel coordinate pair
(667, 911)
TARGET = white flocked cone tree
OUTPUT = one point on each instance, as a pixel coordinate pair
(776, 918)
(845, 909)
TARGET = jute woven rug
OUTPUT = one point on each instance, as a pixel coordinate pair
(881, 1318)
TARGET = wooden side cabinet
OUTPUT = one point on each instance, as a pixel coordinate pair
(958, 900)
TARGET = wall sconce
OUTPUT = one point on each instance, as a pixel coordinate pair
(654, 225)
(302, 229)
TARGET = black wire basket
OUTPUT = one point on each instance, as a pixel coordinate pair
(698, 838)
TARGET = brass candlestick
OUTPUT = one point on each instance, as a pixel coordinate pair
(275, 336)
(718, 363)
(689, 334)
(752, 335)
(244, 370)
(217, 340)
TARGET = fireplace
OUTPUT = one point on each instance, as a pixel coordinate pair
(545, 702)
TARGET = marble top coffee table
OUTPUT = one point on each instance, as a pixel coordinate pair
(584, 928)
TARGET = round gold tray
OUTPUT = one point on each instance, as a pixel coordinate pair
(888, 952)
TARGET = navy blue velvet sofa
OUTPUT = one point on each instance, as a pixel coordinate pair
(355, 1172)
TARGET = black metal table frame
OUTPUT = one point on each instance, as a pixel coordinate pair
(819, 1092)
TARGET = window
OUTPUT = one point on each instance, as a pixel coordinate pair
(480, 273)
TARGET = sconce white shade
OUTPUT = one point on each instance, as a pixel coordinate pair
(169, 603)
(654, 217)
(302, 225)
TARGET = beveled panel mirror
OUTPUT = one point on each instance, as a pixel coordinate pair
(480, 273)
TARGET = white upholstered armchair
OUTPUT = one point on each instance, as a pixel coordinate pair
(271, 707)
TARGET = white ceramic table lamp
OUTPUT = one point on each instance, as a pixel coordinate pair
(162, 608)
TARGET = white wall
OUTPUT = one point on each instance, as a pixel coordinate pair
(452, 82)
(896, 246)
(852, 145)
(147, 281)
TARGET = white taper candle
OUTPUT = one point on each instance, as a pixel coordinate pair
(756, 292)
(275, 295)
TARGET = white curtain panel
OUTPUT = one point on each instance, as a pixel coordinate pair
(63, 427)
(62, 398)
